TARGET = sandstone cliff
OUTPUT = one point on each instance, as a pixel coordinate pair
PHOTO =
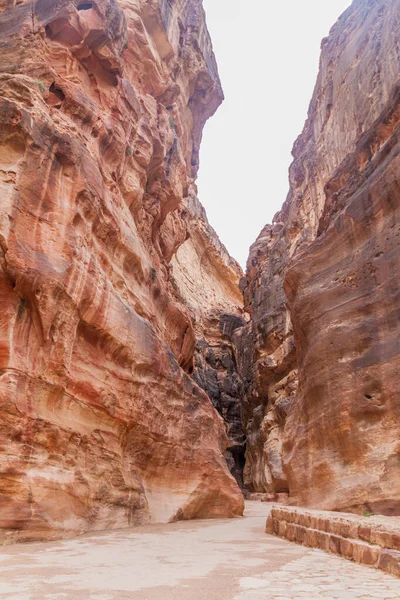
(106, 266)
(199, 270)
(321, 358)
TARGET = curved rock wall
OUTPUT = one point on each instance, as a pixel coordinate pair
(322, 396)
(102, 106)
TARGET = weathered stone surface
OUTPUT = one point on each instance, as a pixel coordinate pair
(149, 565)
(269, 497)
(341, 533)
(206, 278)
(260, 497)
(322, 405)
(102, 106)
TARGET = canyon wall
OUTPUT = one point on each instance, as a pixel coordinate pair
(321, 357)
(199, 270)
(107, 264)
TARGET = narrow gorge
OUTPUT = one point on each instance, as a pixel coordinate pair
(143, 376)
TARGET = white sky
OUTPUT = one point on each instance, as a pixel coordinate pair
(268, 54)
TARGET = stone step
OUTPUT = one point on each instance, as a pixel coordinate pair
(372, 541)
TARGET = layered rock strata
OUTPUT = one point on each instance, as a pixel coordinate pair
(199, 271)
(322, 402)
(372, 541)
(102, 106)
(216, 373)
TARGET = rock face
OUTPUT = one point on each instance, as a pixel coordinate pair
(217, 374)
(322, 406)
(199, 270)
(102, 106)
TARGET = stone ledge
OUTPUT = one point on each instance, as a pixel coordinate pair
(372, 541)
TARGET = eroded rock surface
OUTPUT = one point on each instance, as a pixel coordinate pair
(102, 106)
(199, 270)
(322, 400)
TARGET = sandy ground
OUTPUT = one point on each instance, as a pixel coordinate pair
(197, 560)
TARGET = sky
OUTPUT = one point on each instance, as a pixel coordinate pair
(268, 55)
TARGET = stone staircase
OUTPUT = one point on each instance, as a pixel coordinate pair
(372, 540)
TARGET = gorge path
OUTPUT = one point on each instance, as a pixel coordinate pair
(198, 560)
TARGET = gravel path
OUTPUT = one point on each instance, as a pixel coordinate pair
(201, 560)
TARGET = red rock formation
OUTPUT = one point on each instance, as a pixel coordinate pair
(199, 271)
(102, 106)
(334, 250)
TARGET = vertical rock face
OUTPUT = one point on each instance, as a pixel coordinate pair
(199, 270)
(322, 400)
(216, 373)
(102, 106)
